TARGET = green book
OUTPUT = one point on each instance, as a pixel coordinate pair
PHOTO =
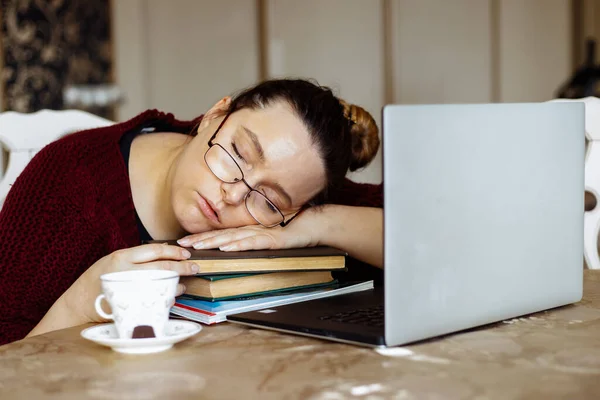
(250, 296)
(219, 277)
(235, 286)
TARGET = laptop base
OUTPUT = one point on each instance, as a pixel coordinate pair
(310, 318)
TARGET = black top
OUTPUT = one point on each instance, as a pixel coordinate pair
(125, 145)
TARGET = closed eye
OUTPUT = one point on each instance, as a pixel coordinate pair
(237, 152)
(272, 196)
(271, 208)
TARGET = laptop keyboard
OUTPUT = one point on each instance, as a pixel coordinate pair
(372, 316)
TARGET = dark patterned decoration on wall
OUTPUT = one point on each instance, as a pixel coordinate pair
(50, 44)
(586, 79)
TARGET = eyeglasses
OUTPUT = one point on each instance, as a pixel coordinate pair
(222, 164)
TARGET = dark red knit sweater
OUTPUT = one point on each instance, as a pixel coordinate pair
(71, 206)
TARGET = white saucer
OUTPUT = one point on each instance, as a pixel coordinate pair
(106, 335)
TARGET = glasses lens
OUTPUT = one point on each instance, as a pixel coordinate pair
(263, 211)
(222, 164)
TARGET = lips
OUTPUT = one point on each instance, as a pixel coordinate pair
(208, 210)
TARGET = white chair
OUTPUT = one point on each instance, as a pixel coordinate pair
(23, 135)
(591, 219)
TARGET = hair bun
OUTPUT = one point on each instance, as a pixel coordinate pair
(365, 135)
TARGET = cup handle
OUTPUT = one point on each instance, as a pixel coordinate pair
(99, 309)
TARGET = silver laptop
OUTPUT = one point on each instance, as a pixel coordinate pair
(483, 221)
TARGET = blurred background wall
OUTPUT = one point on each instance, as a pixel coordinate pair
(49, 45)
(182, 56)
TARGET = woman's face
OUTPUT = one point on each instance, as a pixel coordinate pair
(272, 148)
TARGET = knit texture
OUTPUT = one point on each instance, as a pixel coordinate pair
(71, 206)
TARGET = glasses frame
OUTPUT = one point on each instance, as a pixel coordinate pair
(211, 144)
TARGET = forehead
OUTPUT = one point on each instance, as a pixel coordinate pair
(275, 122)
(291, 158)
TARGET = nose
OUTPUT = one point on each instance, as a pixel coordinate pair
(234, 193)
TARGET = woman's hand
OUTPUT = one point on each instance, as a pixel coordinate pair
(356, 230)
(299, 233)
(76, 305)
(148, 256)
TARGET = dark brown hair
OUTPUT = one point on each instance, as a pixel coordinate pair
(346, 134)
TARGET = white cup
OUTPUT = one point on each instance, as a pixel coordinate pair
(138, 297)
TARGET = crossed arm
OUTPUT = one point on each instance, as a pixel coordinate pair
(354, 223)
(356, 230)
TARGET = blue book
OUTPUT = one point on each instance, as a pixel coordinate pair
(211, 312)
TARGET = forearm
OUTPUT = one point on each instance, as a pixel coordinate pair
(356, 230)
(59, 316)
(73, 308)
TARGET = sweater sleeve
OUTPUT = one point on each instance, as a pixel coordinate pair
(355, 194)
(46, 239)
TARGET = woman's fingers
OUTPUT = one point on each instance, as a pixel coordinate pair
(260, 242)
(181, 267)
(207, 240)
(151, 252)
(223, 240)
(190, 239)
(180, 290)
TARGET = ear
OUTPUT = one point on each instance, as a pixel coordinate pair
(216, 111)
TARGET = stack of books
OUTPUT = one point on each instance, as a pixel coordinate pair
(233, 282)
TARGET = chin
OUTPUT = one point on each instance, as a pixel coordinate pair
(195, 225)
(192, 220)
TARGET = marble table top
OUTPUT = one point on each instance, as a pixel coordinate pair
(552, 354)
